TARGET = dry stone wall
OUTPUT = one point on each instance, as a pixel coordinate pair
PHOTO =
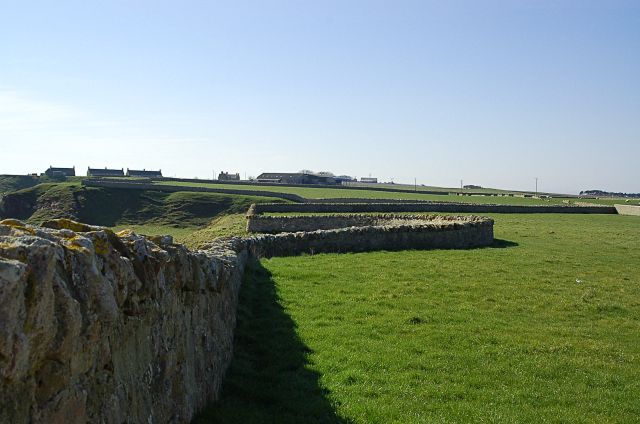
(451, 233)
(425, 207)
(279, 224)
(99, 327)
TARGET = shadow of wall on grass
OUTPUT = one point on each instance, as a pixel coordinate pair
(502, 244)
(268, 380)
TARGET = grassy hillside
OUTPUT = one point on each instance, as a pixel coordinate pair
(148, 212)
(9, 183)
(543, 327)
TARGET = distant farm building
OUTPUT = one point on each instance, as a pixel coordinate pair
(342, 179)
(295, 178)
(472, 187)
(225, 176)
(369, 180)
(60, 172)
(144, 173)
(99, 172)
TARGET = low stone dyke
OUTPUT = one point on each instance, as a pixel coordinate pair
(99, 327)
(104, 327)
(425, 207)
(96, 182)
(282, 224)
(449, 233)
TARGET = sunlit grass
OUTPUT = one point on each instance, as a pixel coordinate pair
(545, 330)
(326, 192)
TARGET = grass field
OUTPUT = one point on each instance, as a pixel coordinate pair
(324, 192)
(542, 327)
(432, 188)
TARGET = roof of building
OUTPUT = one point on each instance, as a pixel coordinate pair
(53, 168)
(276, 175)
(61, 171)
(144, 172)
(105, 172)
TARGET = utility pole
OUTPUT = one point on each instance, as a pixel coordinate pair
(460, 184)
(415, 184)
(536, 186)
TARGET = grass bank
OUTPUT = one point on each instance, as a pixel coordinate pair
(190, 217)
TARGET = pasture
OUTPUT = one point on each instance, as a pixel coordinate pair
(541, 327)
(328, 192)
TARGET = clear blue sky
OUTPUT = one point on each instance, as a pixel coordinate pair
(492, 92)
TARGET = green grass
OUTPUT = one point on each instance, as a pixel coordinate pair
(387, 186)
(9, 183)
(324, 192)
(114, 207)
(223, 226)
(179, 234)
(609, 201)
(192, 218)
(194, 237)
(543, 327)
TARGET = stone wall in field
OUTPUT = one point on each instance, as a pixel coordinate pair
(425, 207)
(384, 234)
(281, 224)
(99, 327)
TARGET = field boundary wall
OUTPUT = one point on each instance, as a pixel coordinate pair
(397, 207)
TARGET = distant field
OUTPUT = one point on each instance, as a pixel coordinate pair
(610, 201)
(543, 327)
(432, 188)
(324, 192)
